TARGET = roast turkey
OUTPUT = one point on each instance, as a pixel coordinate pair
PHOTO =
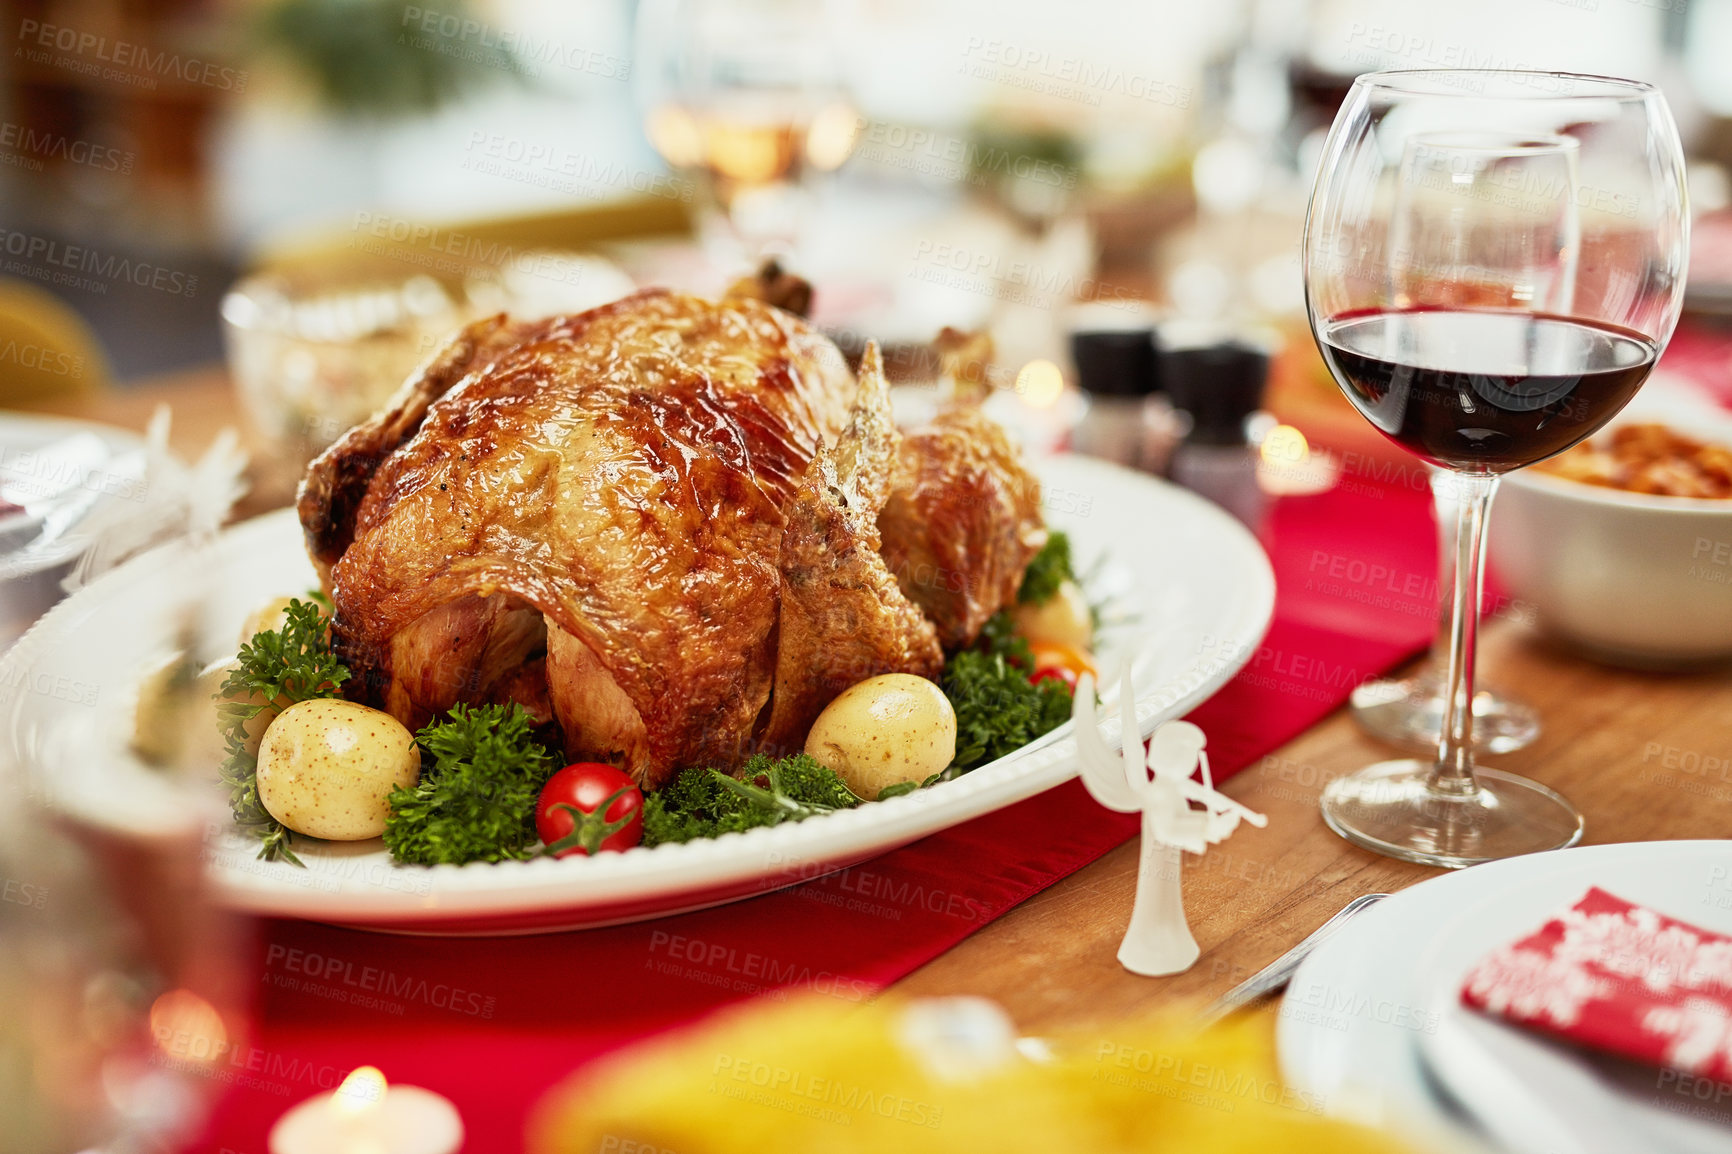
(660, 526)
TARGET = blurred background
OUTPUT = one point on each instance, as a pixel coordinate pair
(1156, 149)
(358, 176)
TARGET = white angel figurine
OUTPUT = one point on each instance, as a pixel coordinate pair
(1158, 940)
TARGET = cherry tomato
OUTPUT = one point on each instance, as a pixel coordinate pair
(589, 807)
(1066, 662)
(1055, 673)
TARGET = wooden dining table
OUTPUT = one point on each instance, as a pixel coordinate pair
(1644, 755)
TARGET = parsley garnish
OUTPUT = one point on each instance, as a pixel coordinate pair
(1049, 569)
(709, 803)
(273, 671)
(999, 636)
(477, 801)
(998, 710)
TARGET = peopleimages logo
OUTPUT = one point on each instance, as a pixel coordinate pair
(551, 166)
(803, 1093)
(87, 52)
(40, 145)
(24, 894)
(339, 976)
(1067, 77)
(41, 358)
(521, 46)
(39, 254)
(58, 686)
(745, 970)
(1019, 282)
(444, 250)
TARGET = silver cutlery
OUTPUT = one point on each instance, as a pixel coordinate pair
(1532, 1095)
(1275, 976)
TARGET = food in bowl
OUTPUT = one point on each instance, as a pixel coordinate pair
(1649, 458)
(1623, 547)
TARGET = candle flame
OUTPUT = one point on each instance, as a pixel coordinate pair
(187, 1027)
(1289, 467)
(1040, 383)
(676, 136)
(830, 140)
(1285, 445)
(361, 1092)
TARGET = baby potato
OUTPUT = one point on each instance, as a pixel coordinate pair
(886, 729)
(326, 767)
(177, 719)
(1063, 619)
(161, 723)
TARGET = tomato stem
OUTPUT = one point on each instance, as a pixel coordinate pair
(589, 830)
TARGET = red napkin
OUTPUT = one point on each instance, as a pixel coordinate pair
(494, 1023)
(1615, 976)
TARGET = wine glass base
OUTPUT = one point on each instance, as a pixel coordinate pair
(1409, 712)
(1390, 809)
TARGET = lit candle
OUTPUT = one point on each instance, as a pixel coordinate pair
(365, 1116)
(1040, 384)
(1287, 466)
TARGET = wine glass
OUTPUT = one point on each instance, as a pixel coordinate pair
(1493, 262)
(750, 97)
(122, 1001)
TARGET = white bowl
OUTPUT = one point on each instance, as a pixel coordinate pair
(1630, 578)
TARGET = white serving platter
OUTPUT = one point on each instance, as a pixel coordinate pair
(1194, 586)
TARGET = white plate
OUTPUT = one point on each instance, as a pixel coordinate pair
(1196, 584)
(31, 566)
(1533, 1094)
(1374, 1003)
(22, 436)
(1529, 1093)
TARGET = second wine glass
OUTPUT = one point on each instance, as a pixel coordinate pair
(750, 97)
(1409, 710)
(1521, 250)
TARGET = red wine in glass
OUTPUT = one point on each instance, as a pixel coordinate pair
(1479, 308)
(1484, 390)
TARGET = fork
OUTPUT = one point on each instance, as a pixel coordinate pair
(1275, 976)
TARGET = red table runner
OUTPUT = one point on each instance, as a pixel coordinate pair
(493, 1023)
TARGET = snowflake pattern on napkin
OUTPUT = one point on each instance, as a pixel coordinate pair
(1618, 977)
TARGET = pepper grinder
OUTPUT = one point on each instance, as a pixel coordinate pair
(1118, 372)
(1219, 386)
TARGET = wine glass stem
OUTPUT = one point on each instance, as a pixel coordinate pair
(1448, 514)
(1454, 771)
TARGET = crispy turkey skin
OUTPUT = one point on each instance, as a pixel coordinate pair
(656, 525)
(843, 617)
(962, 521)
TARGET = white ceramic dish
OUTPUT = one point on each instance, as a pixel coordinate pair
(1631, 578)
(1367, 1007)
(1197, 584)
(31, 567)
